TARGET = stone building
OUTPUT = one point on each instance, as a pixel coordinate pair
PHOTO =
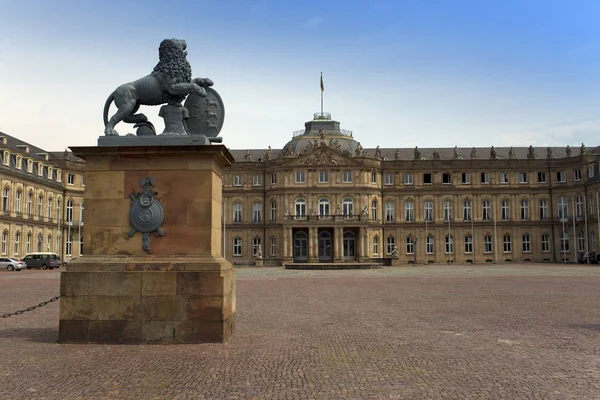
(42, 200)
(325, 198)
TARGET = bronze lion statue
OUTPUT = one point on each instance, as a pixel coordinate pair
(170, 82)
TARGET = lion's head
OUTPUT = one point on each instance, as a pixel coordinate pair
(172, 60)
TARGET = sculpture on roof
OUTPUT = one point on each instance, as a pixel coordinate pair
(170, 82)
(269, 154)
(397, 154)
(248, 156)
(436, 155)
(582, 148)
(66, 154)
(377, 152)
(288, 151)
(322, 135)
(473, 154)
(511, 153)
(417, 153)
(359, 150)
(456, 156)
(568, 151)
(530, 153)
(548, 152)
(493, 153)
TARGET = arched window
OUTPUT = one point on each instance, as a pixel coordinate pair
(237, 246)
(468, 244)
(447, 210)
(391, 242)
(5, 199)
(375, 245)
(507, 241)
(348, 208)
(81, 214)
(449, 244)
(430, 248)
(69, 215)
(563, 209)
(237, 213)
(30, 203)
(526, 243)
(18, 201)
(40, 240)
(580, 241)
(49, 243)
(324, 207)
(429, 211)
(374, 211)
(409, 211)
(300, 207)
(593, 240)
(50, 207)
(410, 245)
(28, 244)
(40, 206)
(505, 210)
(273, 211)
(17, 243)
(256, 213)
(69, 250)
(579, 207)
(4, 240)
(389, 211)
(524, 210)
(564, 242)
(273, 246)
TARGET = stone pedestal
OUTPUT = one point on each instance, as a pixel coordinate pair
(395, 262)
(180, 291)
(259, 262)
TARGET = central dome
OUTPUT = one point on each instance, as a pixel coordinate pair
(323, 127)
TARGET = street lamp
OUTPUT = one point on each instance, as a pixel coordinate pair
(415, 240)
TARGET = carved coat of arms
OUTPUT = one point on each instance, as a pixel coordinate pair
(146, 214)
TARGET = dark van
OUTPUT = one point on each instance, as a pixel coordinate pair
(42, 260)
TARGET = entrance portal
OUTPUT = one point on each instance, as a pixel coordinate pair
(349, 245)
(300, 246)
(325, 249)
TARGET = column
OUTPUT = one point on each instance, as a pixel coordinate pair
(313, 254)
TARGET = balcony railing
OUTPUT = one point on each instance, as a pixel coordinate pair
(336, 218)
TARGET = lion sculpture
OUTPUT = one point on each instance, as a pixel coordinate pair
(170, 82)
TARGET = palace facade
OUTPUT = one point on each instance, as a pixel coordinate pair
(325, 198)
(42, 200)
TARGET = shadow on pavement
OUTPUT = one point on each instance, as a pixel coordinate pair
(40, 335)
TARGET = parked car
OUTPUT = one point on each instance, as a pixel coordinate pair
(583, 258)
(42, 260)
(11, 264)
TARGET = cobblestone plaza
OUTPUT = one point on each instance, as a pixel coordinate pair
(439, 332)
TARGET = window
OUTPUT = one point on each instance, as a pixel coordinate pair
(6, 159)
(18, 201)
(256, 242)
(391, 242)
(300, 207)
(273, 211)
(579, 206)
(4, 239)
(257, 180)
(69, 215)
(81, 245)
(300, 177)
(523, 177)
(429, 248)
(524, 210)
(40, 206)
(323, 176)
(545, 243)
(40, 240)
(29, 166)
(347, 177)
(58, 210)
(30, 203)
(273, 178)
(429, 211)
(256, 213)
(543, 210)
(485, 178)
(389, 179)
(82, 180)
(69, 249)
(468, 244)
(410, 245)
(19, 162)
(28, 244)
(50, 173)
(592, 206)
(237, 213)
(17, 242)
(81, 208)
(70, 181)
(467, 210)
(347, 208)
(237, 247)
(541, 177)
(40, 170)
(58, 177)
(563, 209)
(580, 241)
(487, 244)
(49, 243)
(50, 207)
(505, 210)
(374, 212)
(58, 242)
(446, 178)
(465, 178)
(427, 179)
(389, 211)
(324, 207)
(503, 177)
(593, 240)
(577, 175)
(560, 177)
(447, 210)
(373, 177)
(564, 242)
(507, 244)
(409, 211)
(408, 179)
(375, 245)
(5, 199)
(591, 171)
(273, 246)
(237, 180)
(526, 243)
(449, 244)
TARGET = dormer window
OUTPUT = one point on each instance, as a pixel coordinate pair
(30, 166)
(19, 162)
(50, 171)
(6, 158)
(40, 169)
(59, 175)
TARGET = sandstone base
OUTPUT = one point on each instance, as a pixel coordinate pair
(396, 262)
(147, 300)
(259, 262)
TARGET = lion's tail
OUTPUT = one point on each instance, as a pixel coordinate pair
(107, 106)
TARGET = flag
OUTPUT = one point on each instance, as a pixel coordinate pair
(322, 87)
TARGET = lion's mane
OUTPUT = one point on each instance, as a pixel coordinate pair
(172, 62)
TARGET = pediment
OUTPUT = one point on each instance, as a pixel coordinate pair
(322, 156)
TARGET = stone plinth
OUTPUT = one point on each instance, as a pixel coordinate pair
(396, 262)
(259, 262)
(182, 290)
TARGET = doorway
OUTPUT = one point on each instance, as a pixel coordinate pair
(300, 246)
(349, 245)
(325, 247)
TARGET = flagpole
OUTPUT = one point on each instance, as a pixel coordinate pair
(322, 90)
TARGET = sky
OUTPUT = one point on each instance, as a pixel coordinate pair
(427, 73)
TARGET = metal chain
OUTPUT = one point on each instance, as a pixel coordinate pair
(42, 304)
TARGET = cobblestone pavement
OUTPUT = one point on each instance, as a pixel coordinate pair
(437, 332)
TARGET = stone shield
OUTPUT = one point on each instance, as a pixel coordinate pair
(146, 215)
(206, 114)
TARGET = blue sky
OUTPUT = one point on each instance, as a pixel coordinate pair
(396, 73)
